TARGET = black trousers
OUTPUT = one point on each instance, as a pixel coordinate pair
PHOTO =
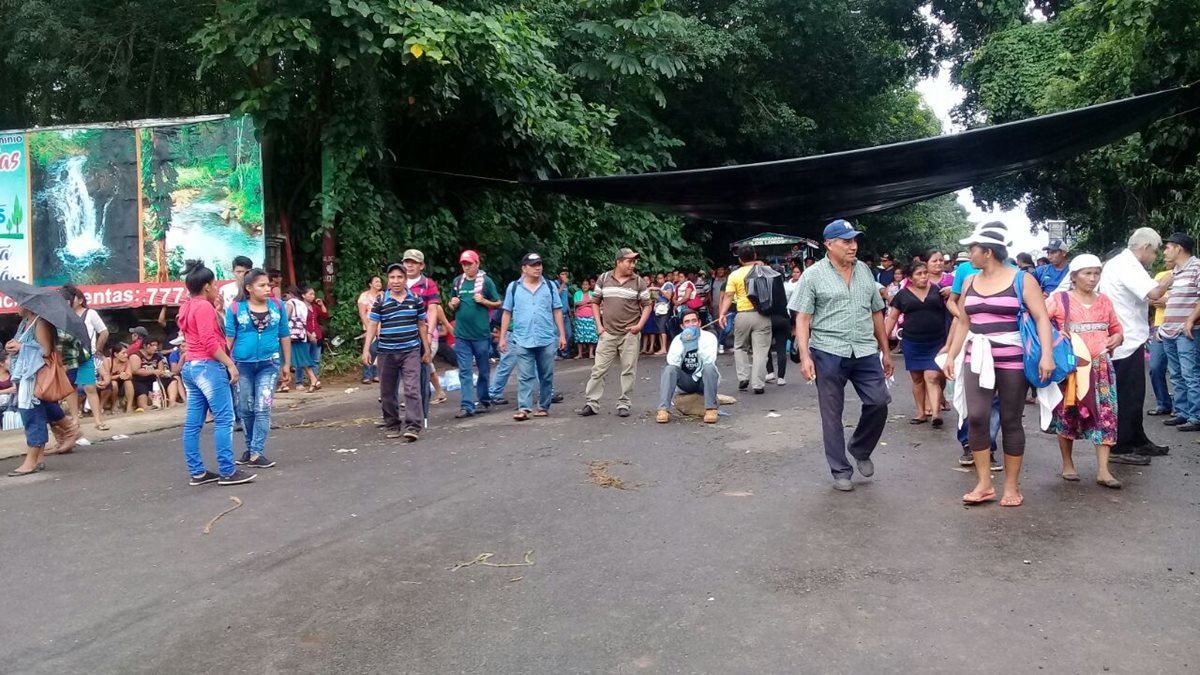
(1131, 397)
(781, 332)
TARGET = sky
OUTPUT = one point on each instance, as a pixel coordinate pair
(941, 95)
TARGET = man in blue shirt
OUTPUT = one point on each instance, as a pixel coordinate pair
(533, 311)
(1054, 277)
(398, 318)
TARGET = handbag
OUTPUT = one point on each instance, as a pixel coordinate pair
(1060, 344)
(52, 383)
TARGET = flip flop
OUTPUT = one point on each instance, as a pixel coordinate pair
(103, 427)
(1073, 477)
(521, 416)
(17, 474)
(1109, 483)
(440, 399)
(979, 498)
(541, 413)
(1012, 500)
(917, 420)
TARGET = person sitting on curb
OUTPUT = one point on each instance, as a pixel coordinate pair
(691, 368)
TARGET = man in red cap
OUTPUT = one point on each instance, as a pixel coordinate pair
(475, 294)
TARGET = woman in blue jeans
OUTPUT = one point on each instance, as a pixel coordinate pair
(208, 371)
(260, 342)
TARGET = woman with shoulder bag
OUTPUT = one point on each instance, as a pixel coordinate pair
(32, 351)
(260, 341)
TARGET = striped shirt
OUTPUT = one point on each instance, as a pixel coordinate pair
(994, 315)
(398, 322)
(1185, 293)
(621, 303)
(842, 315)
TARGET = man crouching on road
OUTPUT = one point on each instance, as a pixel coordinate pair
(840, 336)
(691, 368)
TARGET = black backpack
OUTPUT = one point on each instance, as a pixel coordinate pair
(760, 289)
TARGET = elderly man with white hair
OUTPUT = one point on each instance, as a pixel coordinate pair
(1127, 283)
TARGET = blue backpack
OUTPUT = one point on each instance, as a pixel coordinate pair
(1064, 355)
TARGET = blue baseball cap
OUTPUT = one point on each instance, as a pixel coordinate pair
(841, 229)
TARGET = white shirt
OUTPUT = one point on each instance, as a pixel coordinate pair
(95, 325)
(229, 293)
(1128, 284)
(789, 287)
(706, 352)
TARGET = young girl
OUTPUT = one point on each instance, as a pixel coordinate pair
(260, 342)
(1091, 316)
(302, 358)
(208, 371)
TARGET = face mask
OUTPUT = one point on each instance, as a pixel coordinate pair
(691, 333)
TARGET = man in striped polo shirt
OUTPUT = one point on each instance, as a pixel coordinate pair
(622, 303)
(1179, 346)
(399, 318)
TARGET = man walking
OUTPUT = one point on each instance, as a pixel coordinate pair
(398, 319)
(1178, 343)
(622, 302)
(1126, 282)
(691, 368)
(533, 310)
(840, 337)
(751, 330)
(474, 295)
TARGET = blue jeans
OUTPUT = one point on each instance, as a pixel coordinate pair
(207, 385)
(1185, 376)
(534, 364)
(470, 353)
(675, 378)
(256, 390)
(372, 371)
(569, 327)
(727, 330)
(993, 422)
(315, 350)
(1158, 374)
(508, 361)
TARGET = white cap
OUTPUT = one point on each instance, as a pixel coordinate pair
(1083, 262)
(994, 232)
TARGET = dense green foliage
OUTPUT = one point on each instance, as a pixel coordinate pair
(1092, 51)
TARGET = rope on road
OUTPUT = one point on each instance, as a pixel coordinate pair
(483, 558)
(237, 504)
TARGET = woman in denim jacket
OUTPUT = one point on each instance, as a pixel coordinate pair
(260, 343)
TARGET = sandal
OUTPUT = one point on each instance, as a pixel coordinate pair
(521, 416)
(440, 399)
(1072, 476)
(1012, 499)
(316, 386)
(918, 420)
(979, 497)
(1109, 483)
(102, 427)
(283, 388)
(541, 413)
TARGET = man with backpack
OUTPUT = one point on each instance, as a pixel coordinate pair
(752, 329)
(622, 302)
(840, 336)
(475, 294)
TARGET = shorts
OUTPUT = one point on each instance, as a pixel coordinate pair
(86, 374)
(143, 386)
(35, 419)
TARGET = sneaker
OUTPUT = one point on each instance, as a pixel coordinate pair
(462, 414)
(843, 484)
(711, 416)
(994, 465)
(393, 432)
(261, 462)
(743, 385)
(238, 477)
(587, 411)
(556, 398)
(204, 478)
(967, 458)
(720, 349)
(662, 417)
(499, 401)
(244, 459)
(622, 412)
(780, 381)
(770, 377)
(866, 467)
(1129, 458)
(411, 434)
(760, 391)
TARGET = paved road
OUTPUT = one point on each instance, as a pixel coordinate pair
(729, 553)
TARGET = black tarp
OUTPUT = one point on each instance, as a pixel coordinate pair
(869, 180)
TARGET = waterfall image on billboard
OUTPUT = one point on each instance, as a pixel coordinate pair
(84, 206)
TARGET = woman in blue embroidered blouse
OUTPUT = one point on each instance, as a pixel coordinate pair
(260, 343)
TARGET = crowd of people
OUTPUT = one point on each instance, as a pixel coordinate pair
(968, 328)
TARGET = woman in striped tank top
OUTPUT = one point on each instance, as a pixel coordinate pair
(990, 304)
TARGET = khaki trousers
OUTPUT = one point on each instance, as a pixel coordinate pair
(751, 347)
(611, 348)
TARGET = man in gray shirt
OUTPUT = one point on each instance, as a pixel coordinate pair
(840, 336)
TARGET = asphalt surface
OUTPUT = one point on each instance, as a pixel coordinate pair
(728, 552)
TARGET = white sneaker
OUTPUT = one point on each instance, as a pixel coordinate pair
(770, 377)
(720, 349)
(780, 382)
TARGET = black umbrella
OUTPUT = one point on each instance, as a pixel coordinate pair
(50, 305)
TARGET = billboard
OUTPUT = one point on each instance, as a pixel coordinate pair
(118, 209)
